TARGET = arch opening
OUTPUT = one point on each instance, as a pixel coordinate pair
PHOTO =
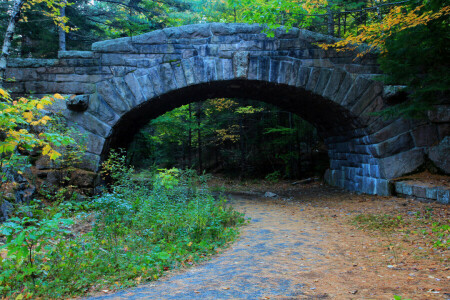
(352, 165)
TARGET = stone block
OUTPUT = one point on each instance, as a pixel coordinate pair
(391, 130)
(90, 162)
(199, 69)
(419, 191)
(274, 70)
(124, 92)
(241, 64)
(167, 77)
(407, 189)
(84, 179)
(89, 122)
(110, 95)
(322, 82)
(179, 75)
(263, 68)
(359, 86)
(220, 29)
(210, 69)
(425, 136)
(188, 71)
(312, 79)
(227, 69)
(431, 193)
(75, 54)
(344, 87)
(252, 68)
(31, 62)
(135, 88)
(155, 78)
(150, 38)
(334, 83)
(441, 114)
(146, 87)
(101, 110)
(398, 187)
(373, 91)
(440, 155)
(382, 187)
(393, 146)
(443, 130)
(188, 31)
(120, 45)
(401, 163)
(443, 196)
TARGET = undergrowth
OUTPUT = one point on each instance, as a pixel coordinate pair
(423, 226)
(135, 233)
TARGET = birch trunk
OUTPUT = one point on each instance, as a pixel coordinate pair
(15, 15)
(61, 32)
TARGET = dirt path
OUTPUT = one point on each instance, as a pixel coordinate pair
(288, 252)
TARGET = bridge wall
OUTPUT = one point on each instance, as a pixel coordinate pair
(123, 83)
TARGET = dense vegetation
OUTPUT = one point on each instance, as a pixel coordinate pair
(234, 137)
(143, 226)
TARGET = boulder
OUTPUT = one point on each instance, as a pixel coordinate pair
(440, 155)
(78, 103)
(270, 195)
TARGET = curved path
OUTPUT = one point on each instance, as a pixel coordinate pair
(268, 261)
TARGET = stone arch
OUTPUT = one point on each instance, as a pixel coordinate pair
(125, 82)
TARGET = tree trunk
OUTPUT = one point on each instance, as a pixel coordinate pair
(199, 138)
(330, 22)
(190, 138)
(61, 32)
(15, 15)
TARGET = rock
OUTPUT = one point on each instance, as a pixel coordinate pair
(83, 179)
(78, 103)
(440, 155)
(270, 195)
(43, 163)
(402, 163)
(6, 209)
(25, 194)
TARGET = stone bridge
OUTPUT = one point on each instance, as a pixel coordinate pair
(123, 83)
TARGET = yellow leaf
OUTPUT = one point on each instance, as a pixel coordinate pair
(58, 96)
(28, 115)
(4, 93)
(54, 155)
(46, 149)
(40, 106)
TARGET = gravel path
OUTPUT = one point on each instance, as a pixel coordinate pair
(264, 263)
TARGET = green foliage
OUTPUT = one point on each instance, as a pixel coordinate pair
(25, 239)
(24, 127)
(132, 234)
(384, 223)
(418, 58)
(399, 298)
(246, 137)
(274, 176)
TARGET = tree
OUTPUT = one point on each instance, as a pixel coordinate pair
(53, 11)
